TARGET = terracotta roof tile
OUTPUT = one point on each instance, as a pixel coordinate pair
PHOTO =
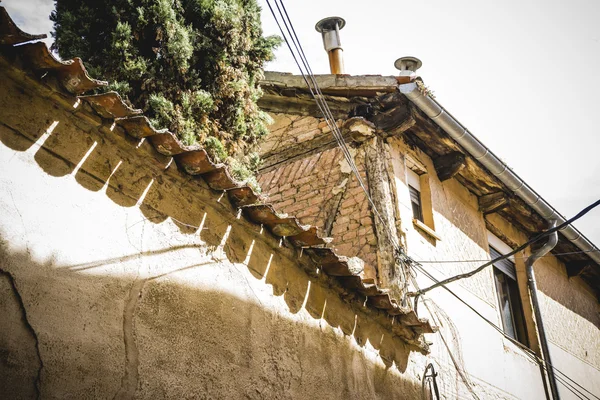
(195, 161)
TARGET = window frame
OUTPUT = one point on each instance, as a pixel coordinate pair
(416, 203)
(510, 305)
(419, 195)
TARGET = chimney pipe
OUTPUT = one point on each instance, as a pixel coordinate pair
(330, 31)
(408, 67)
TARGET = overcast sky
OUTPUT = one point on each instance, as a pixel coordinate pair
(522, 76)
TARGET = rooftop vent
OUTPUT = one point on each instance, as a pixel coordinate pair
(408, 64)
(330, 31)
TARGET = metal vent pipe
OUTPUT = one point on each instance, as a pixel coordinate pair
(330, 31)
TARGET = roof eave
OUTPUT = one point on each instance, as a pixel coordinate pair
(499, 169)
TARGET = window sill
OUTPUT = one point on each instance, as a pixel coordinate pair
(425, 229)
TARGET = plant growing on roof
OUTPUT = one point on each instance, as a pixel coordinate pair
(193, 66)
(425, 91)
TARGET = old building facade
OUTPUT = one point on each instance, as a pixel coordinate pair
(133, 267)
(451, 214)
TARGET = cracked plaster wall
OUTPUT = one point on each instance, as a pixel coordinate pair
(571, 310)
(123, 278)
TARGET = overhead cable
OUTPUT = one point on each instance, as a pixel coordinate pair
(484, 260)
(513, 252)
(323, 106)
(545, 364)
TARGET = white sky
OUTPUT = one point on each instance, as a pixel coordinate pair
(520, 75)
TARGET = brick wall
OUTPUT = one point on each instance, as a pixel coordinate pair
(320, 189)
(289, 130)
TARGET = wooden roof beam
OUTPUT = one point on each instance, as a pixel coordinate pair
(492, 202)
(575, 268)
(448, 165)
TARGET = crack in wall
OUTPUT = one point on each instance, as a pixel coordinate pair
(130, 380)
(335, 204)
(13, 285)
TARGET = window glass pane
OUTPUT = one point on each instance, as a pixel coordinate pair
(509, 298)
(417, 214)
(505, 304)
(517, 311)
(415, 201)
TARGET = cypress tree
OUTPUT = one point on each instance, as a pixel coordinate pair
(193, 66)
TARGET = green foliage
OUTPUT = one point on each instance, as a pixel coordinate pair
(215, 149)
(193, 66)
(245, 172)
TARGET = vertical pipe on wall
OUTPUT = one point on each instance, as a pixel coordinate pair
(531, 284)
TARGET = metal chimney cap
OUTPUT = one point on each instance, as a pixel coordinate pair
(408, 63)
(328, 24)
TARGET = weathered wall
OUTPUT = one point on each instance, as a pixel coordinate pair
(570, 309)
(493, 366)
(122, 277)
(571, 317)
(319, 188)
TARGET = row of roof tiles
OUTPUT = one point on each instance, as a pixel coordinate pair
(194, 160)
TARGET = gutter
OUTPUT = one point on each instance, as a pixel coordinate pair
(498, 168)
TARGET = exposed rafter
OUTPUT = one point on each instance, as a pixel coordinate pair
(492, 202)
(448, 165)
(575, 268)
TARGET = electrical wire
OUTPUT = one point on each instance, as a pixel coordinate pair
(323, 106)
(513, 252)
(317, 95)
(484, 260)
(525, 349)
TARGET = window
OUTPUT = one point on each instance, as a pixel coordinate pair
(509, 299)
(420, 200)
(414, 188)
(415, 201)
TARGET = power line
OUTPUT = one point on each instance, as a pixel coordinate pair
(324, 108)
(513, 252)
(485, 260)
(525, 349)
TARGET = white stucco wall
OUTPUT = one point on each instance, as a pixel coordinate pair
(570, 309)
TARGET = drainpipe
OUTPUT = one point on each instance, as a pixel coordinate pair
(330, 31)
(531, 284)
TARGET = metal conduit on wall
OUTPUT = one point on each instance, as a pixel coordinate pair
(482, 154)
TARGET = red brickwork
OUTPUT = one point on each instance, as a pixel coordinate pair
(290, 130)
(320, 188)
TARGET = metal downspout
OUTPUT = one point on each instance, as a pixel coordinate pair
(531, 284)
